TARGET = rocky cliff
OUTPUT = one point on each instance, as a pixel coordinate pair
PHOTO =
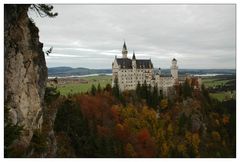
(25, 71)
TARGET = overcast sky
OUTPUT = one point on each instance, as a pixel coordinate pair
(198, 36)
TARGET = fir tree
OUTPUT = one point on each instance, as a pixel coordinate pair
(43, 10)
(93, 90)
(99, 89)
(115, 89)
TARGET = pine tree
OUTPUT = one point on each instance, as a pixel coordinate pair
(93, 90)
(144, 90)
(138, 91)
(187, 91)
(99, 89)
(43, 10)
(155, 96)
(115, 89)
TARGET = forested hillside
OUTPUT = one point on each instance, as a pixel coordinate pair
(142, 123)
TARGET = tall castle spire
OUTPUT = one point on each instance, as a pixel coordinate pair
(124, 50)
(134, 57)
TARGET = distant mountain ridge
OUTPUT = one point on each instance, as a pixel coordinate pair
(69, 71)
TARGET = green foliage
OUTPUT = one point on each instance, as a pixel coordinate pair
(51, 94)
(115, 90)
(187, 91)
(93, 90)
(69, 119)
(11, 133)
(99, 89)
(38, 143)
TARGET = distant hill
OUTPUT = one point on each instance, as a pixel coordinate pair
(69, 71)
(201, 71)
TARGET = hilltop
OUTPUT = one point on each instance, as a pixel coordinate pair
(69, 71)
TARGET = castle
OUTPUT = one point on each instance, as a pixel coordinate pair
(130, 72)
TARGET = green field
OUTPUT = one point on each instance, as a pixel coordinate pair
(221, 96)
(72, 88)
(215, 81)
(84, 87)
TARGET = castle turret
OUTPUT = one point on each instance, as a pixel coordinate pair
(159, 71)
(124, 51)
(134, 62)
(174, 69)
(134, 67)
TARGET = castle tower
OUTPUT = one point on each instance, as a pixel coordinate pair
(124, 51)
(174, 69)
(134, 67)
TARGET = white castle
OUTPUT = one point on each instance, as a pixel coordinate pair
(130, 72)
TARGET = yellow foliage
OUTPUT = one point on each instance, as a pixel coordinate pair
(170, 129)
(165, 149)
(149, 119)
(159, 135)
(216, 136)
(181, 148)
(129, 151)
(119, 126)
(164, 103)
(188, 136)
(129, 111)
(195, 140)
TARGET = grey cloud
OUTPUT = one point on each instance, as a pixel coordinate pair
(199, 36)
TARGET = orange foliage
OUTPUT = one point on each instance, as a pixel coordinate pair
(225, 119)
(216, 136)
(115, 114)
(143, 135)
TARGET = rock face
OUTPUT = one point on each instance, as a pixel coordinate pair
(25, 71)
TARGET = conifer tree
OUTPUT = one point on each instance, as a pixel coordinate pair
(138, 91)
(115, 89)
(43, 10)
(187, 91)
(99, 89)
(155, 96)
(93, 90)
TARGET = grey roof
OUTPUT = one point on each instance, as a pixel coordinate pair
(166, 75)
(144, 64)
(124, 46)
(134, 57)
(126, 63)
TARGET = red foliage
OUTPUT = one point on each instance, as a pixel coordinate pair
(121, 133)
(145, 144)
(115, 114)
